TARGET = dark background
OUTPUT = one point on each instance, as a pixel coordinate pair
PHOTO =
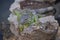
(4, 13)
(4, 9)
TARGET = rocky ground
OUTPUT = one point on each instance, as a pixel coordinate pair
(58, 35)
(7, 35)
(12, 37)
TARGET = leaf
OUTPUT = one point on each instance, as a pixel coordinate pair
(21, 28)
(18, 14)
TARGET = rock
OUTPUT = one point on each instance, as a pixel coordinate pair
(58, 34)
(13, 19)
(46, 32)
(50, 23)
(51, 0)
(13, 6)
(42, 0)
(45, 28)
(47, 19)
